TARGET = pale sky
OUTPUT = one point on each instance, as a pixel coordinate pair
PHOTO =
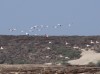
(83, 15)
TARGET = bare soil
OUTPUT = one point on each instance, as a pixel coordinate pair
(45, 69)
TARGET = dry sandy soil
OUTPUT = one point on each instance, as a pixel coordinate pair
(45, 69)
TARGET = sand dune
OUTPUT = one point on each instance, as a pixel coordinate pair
(87, 57)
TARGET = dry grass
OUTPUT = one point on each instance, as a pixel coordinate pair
(44, 69)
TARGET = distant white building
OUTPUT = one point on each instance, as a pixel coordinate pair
(46, 35)
(1, 48)
(97, 42)
(50, 42)
(66, 57)
(87, 45)
(61, 56)
(58, 64)
(66, 43)
(47, 63)
(48, 48)
(76, 47)
(47, 56)
(92, 42)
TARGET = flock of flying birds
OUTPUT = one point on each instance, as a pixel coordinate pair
(38, 28)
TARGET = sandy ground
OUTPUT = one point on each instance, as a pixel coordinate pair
(87, 57)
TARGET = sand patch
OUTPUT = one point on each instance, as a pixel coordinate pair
(87, 57)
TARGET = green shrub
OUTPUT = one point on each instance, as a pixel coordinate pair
(98, 64)
(69, 52)
(91, 64)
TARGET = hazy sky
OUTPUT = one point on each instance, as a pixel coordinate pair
(83, 15)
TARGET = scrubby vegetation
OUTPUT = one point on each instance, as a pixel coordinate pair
(69, 52)
(33, 49)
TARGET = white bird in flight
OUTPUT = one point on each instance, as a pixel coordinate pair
(27, 33)
(59, 24)
(31, 27)
(69, 25)
(22, 31)
(55, 27)
(11, 30)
